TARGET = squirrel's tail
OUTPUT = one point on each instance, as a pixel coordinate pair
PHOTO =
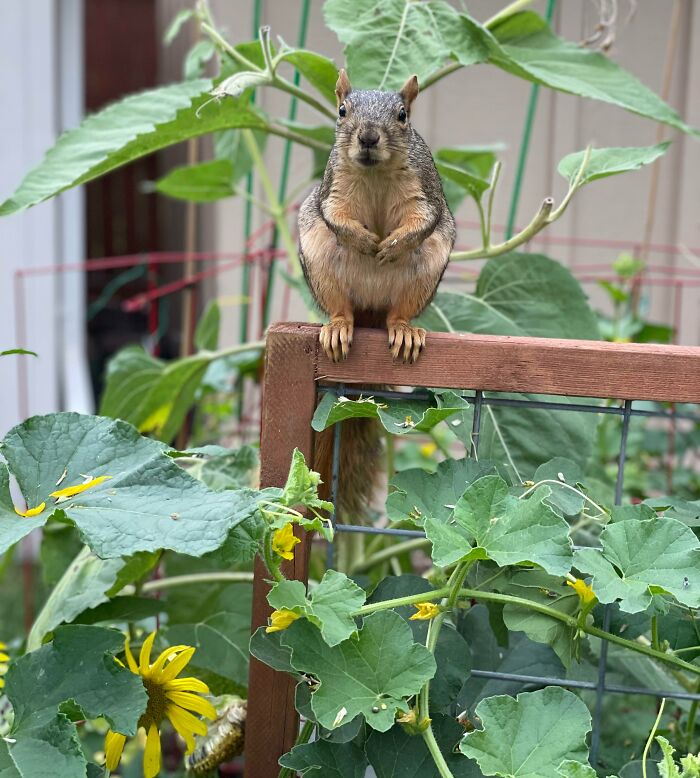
(361, 464)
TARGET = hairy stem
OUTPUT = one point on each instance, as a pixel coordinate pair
(195, 578)
(436, 753)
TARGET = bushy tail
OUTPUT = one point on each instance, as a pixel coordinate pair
(361, 464)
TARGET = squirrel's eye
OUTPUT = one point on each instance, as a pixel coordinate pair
(342, 111)
(402, 115)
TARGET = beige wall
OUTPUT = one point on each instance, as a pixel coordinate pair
(483, 105)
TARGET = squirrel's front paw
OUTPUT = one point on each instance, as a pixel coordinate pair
(366, 243)
(405, 341)
(390, 249)
(336, 339)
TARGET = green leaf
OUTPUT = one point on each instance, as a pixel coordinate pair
(554, 593)
(571, 769)
(122, 132)
(369, 675)
(319, 71)
(330, 605)
(122, 609)
(13, 527)
(230, 470)
(221, 641)
(524, 45)
(541, 728)
(319, 132)
(418, 494)
(229, 145)
(397, 416)
(563, 472)
(488, 523)
(52, 749)
(202, 183)
(609, 162)
(517, 294)
(86, 583)
(386, 41)
(326, 760)
(9, 351)
(396, 753)
(60, 544)
(642, 558)
(131, 374)
(472, 184)
(77, 666)
(206, 334)
(268, 648)
(148, 504)
(197, 58)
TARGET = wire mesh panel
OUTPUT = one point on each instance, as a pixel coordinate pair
(635, 381)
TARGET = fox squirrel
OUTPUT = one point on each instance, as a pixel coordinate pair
(376, 234)
(374, 240)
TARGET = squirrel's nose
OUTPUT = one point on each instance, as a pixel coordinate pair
(368, 138)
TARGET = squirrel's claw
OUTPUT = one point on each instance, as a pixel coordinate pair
(406, 342)
(336, 339)
(389, 250)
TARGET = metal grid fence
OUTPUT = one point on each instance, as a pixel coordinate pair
(296, 368)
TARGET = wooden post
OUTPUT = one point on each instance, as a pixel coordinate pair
(289, 400)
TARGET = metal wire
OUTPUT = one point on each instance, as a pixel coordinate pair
(478, 400)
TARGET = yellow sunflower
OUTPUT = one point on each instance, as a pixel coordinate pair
(168, 697)
(4, 659)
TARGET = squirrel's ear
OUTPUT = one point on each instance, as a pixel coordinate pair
(409, 91)
(342, 86)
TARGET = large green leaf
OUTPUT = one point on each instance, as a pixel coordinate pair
(330, 605)
(397, 416)
(148, 503)
(523, 44)
(201, 183)
(417, 494)
(541, 730)
(13, 527)
(87, 582)
(322, 759)
(642, 558)
(369, 675)
(388, 40)
(77, 670)
(489, 523)
(609, 162)
(137, 125)
(131, 374)
(318, 70)
(475, 161)
(206, 334)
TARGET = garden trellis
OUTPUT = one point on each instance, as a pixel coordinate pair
(298, 374)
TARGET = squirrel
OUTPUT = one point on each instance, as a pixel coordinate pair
(375, 237)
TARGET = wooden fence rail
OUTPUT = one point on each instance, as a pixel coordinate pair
(294, 366)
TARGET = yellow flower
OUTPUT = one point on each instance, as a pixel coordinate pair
(31, 511)
(426, 610)
(281, 619)
(283, 541)
(584, 591)
(168, 697)
(4, 659)
(70, 491)
(428, 449)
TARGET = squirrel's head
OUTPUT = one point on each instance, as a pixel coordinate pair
(373, 127)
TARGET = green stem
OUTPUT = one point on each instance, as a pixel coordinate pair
(650, 739)
(195, 578)
(295, 91)
(278, 213)
(508, 599)
(655, 632)
(268, 555)
(434, 748)
(690, 727)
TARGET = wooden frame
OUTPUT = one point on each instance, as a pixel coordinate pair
(295, 364)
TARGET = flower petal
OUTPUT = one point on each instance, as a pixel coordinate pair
(151, 755)
(169, 653)
(2, 683)
(180, 726)
(184, 721)
(145, 655)
(31, 511)
(70, 491)
(176, 666)
(130, 658)
(193, 702)
(186, 685)
(114, 745)
(4, 657)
